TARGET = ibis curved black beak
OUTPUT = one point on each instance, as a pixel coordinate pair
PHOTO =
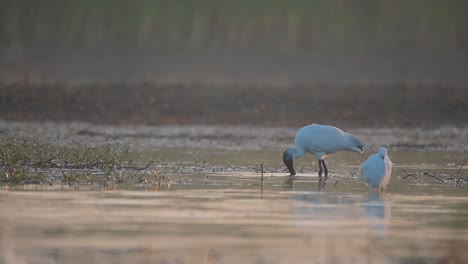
(288, 161)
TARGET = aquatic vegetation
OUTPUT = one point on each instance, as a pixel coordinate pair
(26, 160)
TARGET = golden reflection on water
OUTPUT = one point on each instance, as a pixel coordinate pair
(230, 226)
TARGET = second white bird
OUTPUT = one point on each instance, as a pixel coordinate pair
(377, 169)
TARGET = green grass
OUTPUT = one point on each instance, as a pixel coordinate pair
(29, 161)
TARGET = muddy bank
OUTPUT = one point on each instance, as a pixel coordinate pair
(227, 137)
(392, 105)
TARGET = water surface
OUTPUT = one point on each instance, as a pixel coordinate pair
(217, 211)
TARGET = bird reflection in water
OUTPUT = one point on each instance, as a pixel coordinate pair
(373, 209)
(377, 212)
(289, 182)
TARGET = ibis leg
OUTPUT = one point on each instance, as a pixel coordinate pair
(320, 168)
(324, 167)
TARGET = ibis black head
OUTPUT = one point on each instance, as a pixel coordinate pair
(288, 161)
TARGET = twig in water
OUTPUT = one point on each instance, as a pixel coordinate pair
(464, 162)
(259, 170)
(408, 175)
(424, 173)
(68, 178)
(148, 164)
(64, 175)
(433, 176)
(156, 177)
(261, 182)
(88, 178)
(45, 162)
(261, 165)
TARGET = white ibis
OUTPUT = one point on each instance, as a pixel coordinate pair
(377, 170)
(321, 140)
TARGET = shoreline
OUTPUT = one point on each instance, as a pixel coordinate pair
(240, 137)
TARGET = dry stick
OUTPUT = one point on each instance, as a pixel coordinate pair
(433, 176)
(259, 170)
(262, 173)
(261, 181)
(88, 178)
(148, 164)
(65, 176)
(44, 162)
(408, 175)
(459, 169)
(156, 177)
(425, 173)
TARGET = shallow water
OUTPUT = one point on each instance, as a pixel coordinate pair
(220, 213)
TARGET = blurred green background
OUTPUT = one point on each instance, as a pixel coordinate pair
(278, 25)
(273, 42)
(366, 62)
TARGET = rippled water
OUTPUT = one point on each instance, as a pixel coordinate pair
(228, 217)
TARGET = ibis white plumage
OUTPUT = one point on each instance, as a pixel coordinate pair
(377, 169)
(321, 140)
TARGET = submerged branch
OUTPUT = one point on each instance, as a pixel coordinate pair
(408, 175)
(433, 176)
(464, 162)
(259, 170)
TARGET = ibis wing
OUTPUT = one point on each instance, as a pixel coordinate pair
(373, 170)
(388, 170)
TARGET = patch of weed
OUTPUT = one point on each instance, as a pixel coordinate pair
(26, 160)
